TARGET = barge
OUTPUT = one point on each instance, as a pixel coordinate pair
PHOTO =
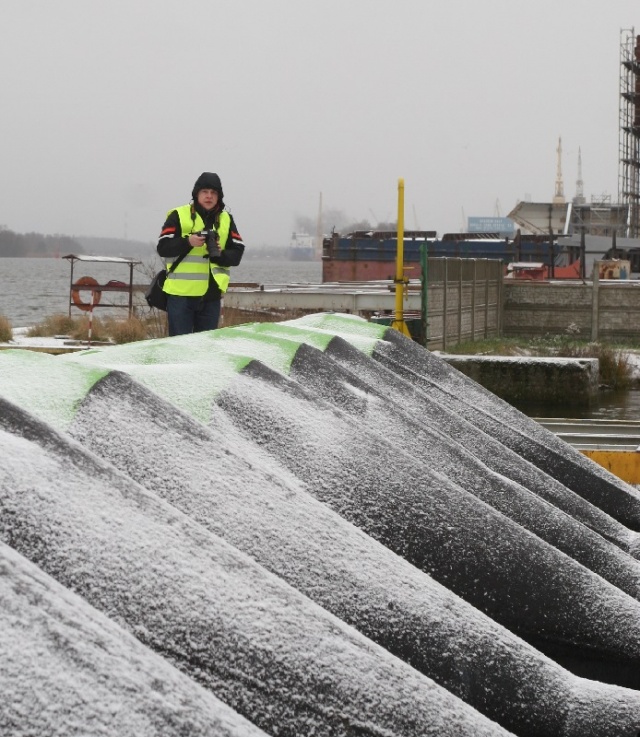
(371, 255)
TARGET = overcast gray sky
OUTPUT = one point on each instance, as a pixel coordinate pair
(112, 108)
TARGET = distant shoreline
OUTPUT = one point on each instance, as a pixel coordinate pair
(251, 254)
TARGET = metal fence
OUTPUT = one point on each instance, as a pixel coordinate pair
(461, 302)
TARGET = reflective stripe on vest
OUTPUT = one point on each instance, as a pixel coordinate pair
(191, 277)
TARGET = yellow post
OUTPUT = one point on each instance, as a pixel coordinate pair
(399, 281)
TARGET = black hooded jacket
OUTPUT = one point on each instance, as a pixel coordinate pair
(173, 243)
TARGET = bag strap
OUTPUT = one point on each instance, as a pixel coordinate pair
(179, 259)
(175, 263)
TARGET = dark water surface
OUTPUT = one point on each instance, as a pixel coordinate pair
(618, 405)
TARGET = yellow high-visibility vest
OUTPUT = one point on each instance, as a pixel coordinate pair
(191, 277)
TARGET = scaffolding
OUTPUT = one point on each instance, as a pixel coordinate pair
(600, 217)
(629, 131)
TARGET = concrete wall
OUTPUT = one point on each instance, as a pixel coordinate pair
(599, 310)
(545, 380)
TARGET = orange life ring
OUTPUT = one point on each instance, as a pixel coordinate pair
(85, 283)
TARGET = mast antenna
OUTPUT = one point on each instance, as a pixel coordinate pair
(559, 195)
(579, 198)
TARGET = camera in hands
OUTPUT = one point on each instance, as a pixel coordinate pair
(211, 241)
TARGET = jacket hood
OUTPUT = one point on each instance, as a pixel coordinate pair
(207, 180)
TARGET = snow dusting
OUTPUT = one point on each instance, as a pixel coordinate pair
(311, 527)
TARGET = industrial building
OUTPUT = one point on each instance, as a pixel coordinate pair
(599, 217)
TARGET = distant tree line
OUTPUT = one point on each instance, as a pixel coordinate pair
(16, 245)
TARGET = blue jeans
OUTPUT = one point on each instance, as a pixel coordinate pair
(191, 314)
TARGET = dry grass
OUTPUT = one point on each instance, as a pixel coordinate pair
(142, 325)
(6, 330)
(145, 323)
(76, 328)
(615, 368)
(103, 329)
(233, 316)
(58, 324)
(80, 330)
(129, 330)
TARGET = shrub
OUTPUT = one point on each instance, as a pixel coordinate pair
(76, 328)
(58, 324)
(615, 369)
(126, 331)
(6, 331)
(142, 325)
(80, 330)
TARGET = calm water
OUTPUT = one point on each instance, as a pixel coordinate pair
(34, 288)
(623, 405)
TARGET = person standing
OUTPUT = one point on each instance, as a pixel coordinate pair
(205, 235)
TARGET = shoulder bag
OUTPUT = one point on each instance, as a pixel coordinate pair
(155, 294)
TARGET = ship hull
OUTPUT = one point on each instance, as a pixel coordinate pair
(370, 259)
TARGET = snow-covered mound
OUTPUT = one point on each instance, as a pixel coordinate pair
(304, 519)
(260, 646)
(68, 669)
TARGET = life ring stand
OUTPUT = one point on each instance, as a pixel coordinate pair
(84, 283)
